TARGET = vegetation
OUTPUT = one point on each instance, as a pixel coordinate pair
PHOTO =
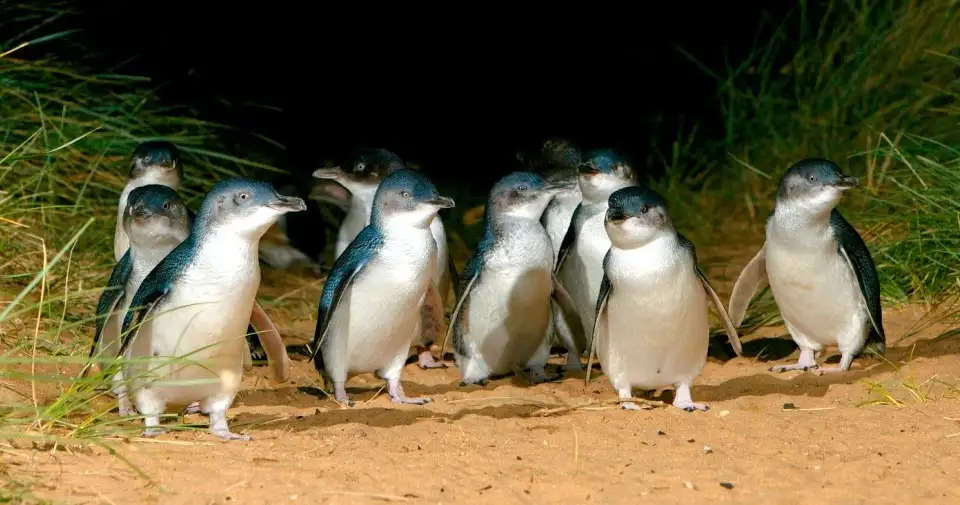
(873, 87)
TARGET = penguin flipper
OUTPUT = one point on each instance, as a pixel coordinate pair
(568, 239)
(853, 249)
(728, 325)
(272, 344)
(750, 280)
(467, 281)
(568, 310)
(345, 270)
(604, 295)
(116, 288)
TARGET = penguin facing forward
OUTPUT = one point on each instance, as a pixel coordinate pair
(371, 306)
(365, 169)
(652, 327)
(504, 312)
(155, 220)
(151, 163)
(819, 269)
(580, 258)
(189, 314)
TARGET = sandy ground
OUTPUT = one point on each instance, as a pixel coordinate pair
(552, 443)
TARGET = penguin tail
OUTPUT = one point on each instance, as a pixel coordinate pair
(875, 344)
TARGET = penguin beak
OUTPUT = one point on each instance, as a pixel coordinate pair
(328, 173)
(587, 169)
(441, 202)
(846, 182)
(616, 217)
(288, 204)
(139, 211)
(561, 185)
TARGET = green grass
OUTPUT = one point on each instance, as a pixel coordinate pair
(874, 89)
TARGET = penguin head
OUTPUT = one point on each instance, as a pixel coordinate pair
(407, 198)
(814, 184)
(155, 214)
(603, 172)
(524, 194)
(244, 207)
(363, 169)
(159, 161)
(635, 217)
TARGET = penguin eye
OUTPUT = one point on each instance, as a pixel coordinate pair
(359, 167)
(812, 178)
(521, 188)
(243, 196)
(644, 209)
(166, 205)
(405, 194)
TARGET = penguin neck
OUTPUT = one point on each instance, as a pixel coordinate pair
(149, 255)
(796, 221)
(362, 202)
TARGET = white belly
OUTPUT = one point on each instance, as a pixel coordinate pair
(583, 269)
(508, 313)
(508, 316)
(379, 315)
(656, 329)
(816, 292)
(197, 334)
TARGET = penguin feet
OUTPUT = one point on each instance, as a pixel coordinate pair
(395, 390)
(573, 363)
(846, 360)
(127, 411)
(340, 393)
(474, 382)
(682, 400)
(629, 406)
(218, 427)
(154, 431)
(807, 361)
(537, 375)
(125, 407)
(426, 361)
(193, 408)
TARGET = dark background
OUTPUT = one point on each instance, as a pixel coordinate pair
(458, 90)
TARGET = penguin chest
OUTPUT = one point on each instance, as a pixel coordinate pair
(815, 289)
(508, 313)
(379, 315)
(583, 270)
(655, 331)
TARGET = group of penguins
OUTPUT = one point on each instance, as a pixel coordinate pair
(575, 252)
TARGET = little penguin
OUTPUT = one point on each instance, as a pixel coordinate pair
(652, 327)
(190, 313)
(503, 314)
(366, 168)
(151, 163)
(155, 220)
(819, 269)
(580, 257)
(371, 305)
(158, 162)
(558, 160)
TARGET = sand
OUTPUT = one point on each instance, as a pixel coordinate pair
(560, 442)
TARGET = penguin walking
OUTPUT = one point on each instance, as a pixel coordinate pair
(504, 312)
(580, 258)
(557, 163)
(159, 163)
(190, 312)
(365, 169)
(652, 328)
(155, 220)
(371, 306)
(819, 269)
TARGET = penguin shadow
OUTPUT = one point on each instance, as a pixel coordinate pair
(330, 414)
